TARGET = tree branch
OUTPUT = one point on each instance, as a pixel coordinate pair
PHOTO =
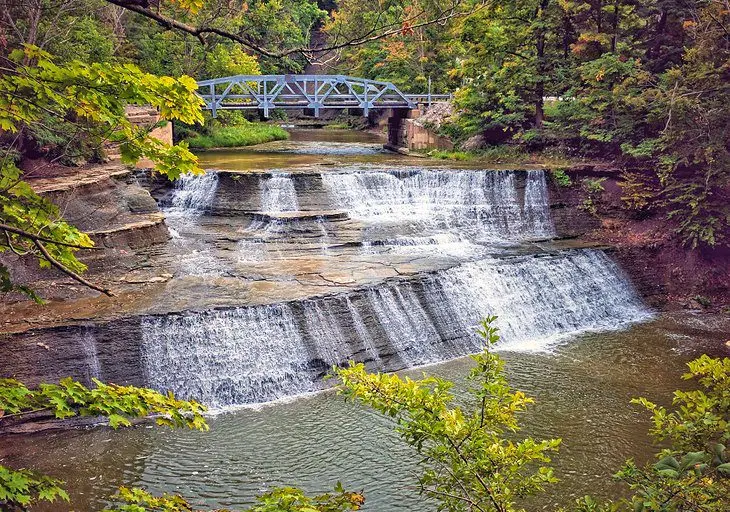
(31, 236)
(169, 23)
(70, 272)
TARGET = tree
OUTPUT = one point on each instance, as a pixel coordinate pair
(410, 56)
(468, 463)
(79, 107)
(513, 60)
(184, 16)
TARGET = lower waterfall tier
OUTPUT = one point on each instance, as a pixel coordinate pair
(257, 354)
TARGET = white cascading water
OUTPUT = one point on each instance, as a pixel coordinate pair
(227, 357)
(278, 194)
(488, 202)
(91, 355)
(192, 197)
(261, 353)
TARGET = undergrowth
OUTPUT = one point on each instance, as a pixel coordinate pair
(241, 135)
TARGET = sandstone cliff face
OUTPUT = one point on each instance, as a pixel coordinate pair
(109, 204)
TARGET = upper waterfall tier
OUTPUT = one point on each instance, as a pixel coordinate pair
(488, 202)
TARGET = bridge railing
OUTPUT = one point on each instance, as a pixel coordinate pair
(316, 92)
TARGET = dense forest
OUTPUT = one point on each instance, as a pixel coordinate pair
(642, 86)
(645, 83)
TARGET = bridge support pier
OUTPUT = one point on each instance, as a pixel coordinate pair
(405, 135)
(397, 128)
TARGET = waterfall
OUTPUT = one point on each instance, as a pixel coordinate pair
(193, 194)
(236, 356)
(91, 355)
(488, 202)
(539, 298)
(260, 353)
(192, 197)
(278, 194)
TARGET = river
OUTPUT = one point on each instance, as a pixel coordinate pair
(576, 338)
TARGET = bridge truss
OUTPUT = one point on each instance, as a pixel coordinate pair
(316, 92)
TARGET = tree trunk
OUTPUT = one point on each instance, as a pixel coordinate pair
(567, 32)
(614, 37)
(541, 64)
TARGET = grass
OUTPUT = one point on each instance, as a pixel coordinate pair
(337, 126)
(236, 136)
(507, 154)
(451, 155)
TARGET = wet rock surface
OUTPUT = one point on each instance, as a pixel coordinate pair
(389, 265)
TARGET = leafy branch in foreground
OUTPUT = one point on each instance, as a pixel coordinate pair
(694, 472)
(81, 107)
(20, 489)
(280, 499)
(467, 463)
(119, 404)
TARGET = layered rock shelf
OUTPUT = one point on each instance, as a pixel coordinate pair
(389, 266)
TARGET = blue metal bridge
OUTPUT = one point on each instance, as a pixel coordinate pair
(315, 92)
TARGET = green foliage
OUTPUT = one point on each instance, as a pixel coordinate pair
(246, 134)
(467, 462)
(407, 57)
(94, 97)
(561, 177)
(638, 192)
(75, 106)
(24, 210)
(22, 488)
(119, 404)
(450, 155)
(692, 472)
(280, 499)
(228, 60)
(593, 188)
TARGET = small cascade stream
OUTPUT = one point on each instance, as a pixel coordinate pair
(278, 194)
(192, 197)
(91, 355)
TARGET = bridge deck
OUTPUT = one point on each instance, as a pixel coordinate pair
(316, 92)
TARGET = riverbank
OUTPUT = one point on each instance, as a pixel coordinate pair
(248, 134)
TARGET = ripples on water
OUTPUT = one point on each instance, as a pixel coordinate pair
(582, 390)
(582, 384)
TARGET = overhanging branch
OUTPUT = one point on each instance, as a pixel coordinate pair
(143, 8)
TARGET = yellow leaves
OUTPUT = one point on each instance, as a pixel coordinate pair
(601, 73)
(191, 5)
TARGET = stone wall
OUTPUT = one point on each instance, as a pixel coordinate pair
(405, 132)
(420, 138)
(146, 117)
